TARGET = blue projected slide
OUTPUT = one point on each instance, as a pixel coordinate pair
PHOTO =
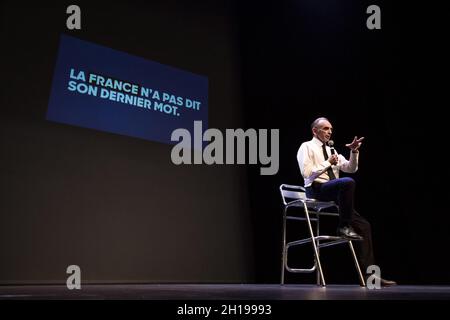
(104, 89)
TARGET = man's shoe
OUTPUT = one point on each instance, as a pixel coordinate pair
(348, 233)
(387, 283)
(383, 282)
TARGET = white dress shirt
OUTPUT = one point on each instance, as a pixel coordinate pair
(313, 166)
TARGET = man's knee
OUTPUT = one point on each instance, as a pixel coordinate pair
(347, 182)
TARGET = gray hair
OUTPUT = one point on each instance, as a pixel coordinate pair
(316, 122)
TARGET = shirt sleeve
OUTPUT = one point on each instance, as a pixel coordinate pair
(349, 166)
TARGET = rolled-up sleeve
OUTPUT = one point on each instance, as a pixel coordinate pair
(351, 165)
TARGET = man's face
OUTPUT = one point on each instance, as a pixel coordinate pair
(323, 131)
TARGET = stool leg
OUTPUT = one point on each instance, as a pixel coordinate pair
(318, 250)
(361, 278)
(283, 253)
(313, 240)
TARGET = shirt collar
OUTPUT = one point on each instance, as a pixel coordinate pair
(317, 141)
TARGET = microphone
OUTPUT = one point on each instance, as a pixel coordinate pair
(331, 145)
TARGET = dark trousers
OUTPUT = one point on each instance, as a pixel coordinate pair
(342, 192)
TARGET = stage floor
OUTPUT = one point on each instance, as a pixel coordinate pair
(223, 292)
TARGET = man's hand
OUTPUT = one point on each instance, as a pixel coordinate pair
(356, 143)
(333, 159)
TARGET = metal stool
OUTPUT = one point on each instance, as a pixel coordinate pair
(295, 197)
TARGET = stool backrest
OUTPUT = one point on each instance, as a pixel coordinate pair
(291, 193)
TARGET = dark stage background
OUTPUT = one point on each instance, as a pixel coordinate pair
(121, 210)
(304, 59)
(114, 205)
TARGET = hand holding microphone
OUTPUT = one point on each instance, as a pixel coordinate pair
(333, 159)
